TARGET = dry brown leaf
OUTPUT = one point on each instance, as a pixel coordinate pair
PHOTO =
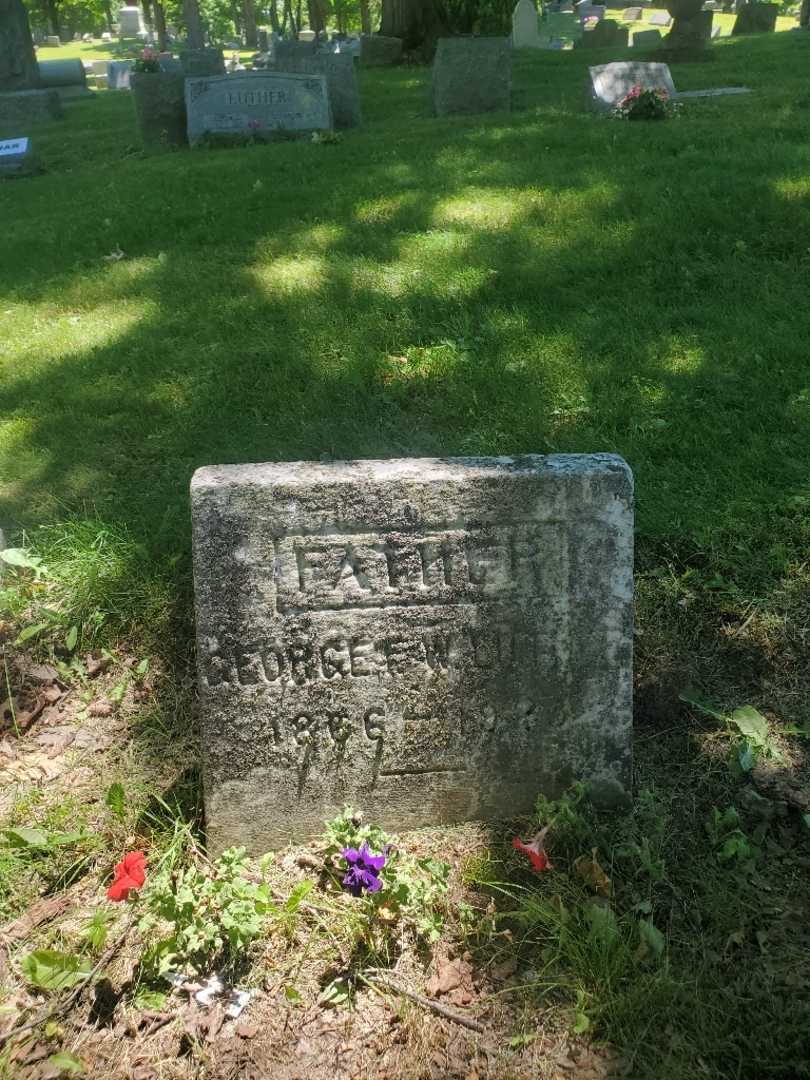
(502, 971)
(246, 1029)
(57, 740)
(449, 975)
(94, 665)
(588, 868)
(42, 673)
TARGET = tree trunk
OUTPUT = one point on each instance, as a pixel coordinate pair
(273, 15)
(148, 16)
(365, 17)
(298, 19)
(194, 30)
(18, 64)
(108, 17)
(418, 22)
(160, 26)
(317, 15)
(52, 9)
(251, 33)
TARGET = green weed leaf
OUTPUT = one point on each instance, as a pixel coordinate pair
(30, 631)
(21, 558)
(71, 638)
(651, 936)
(27, 838)
(751, 724)
(67, 1064)
(49, 969)
(115, 800)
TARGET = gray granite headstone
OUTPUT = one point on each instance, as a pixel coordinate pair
(67, 76)
(471, 75)
(198, 62)
(632, 14)
(21, 107)
(605, 34)
(525, 31)
(377, 50)
(427, 640)
(646, 39)
(609, 83)
(258, 104)
(659, 18)
(129, 22)
(341, 81)
(17, 158)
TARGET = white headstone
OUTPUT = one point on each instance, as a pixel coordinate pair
(129, 22)
(609, 83)
(525, 34)
(118, 75)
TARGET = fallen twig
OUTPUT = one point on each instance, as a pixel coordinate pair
(426, 1003)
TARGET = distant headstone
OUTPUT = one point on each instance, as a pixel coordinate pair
(712, 5)
(260, 104)
(659, 18)
(169, 64)
(471, 75)
(376, 50)
(22, 107)
(755, 19)
(691, 34)
(605, 34)
(525, 32)
(53, 41)
(306, 35)
(609, 83)
(199, 62)
(293, 50)
(17, 159)
(101, 72)
(431, 641)
(716, 32)
(586, 11)
(646, 39)
(632, 14)
(263, 41)
(119, 73)
(106, 36)
(66, 76)
(341, 81)
(129, 22)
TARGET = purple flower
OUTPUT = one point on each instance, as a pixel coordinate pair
(364, 869)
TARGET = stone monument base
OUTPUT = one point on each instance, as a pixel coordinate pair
(24, 106)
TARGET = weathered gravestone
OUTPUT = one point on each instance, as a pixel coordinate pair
(67, 77)
(17, 158)
(259, 104)
(288, 50)
(198, 62)
(160, 108)
(659, 18)
(609, 83)
(101, 73)
(606, 33)
(341, 82)
(646, 39)
(691, 34)
(471, 75)
(632, 14)
(378, 50)
(430, 640)
(525, 32)
(23, 106)
(586, 11)
(755, 19)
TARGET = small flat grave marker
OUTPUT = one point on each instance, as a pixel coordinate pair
(609, 83)
(632, 14)
(16, 157)
(428, 640)
(646, 39)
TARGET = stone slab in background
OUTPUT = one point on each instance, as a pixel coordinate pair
(428, 640)
(659, 18)
(258, 104)
(21, 107)
(341, 80)
(68, 77)
(199, 62)
(17, 158)
(632, 14)
(609, 83)
(525, 30)
(377, 50)
(119, 75)
(646, 39)
(755, 19)
(605, 34)
(471, 75)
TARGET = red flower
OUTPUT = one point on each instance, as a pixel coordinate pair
(129, 874)
(535, 851)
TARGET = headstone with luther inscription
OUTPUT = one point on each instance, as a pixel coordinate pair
(525, 31)
(471, 75)
(609, 83)
(431, 641)
(258, 104)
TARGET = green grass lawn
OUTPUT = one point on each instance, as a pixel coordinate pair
(535, 282)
